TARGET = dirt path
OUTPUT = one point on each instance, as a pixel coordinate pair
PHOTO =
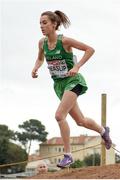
(97, 172)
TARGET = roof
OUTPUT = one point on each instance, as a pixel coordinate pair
(82, 139)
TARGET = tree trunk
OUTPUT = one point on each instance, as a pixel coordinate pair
(29, 147)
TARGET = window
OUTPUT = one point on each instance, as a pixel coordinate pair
(59, 150)
(59, 160)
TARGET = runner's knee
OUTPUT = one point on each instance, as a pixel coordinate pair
(59, 116)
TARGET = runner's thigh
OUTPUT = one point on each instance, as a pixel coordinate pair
(67, 102)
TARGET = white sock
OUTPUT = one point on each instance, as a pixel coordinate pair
(69, 154)
(103, 131)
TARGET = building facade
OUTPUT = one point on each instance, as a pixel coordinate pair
(81, 147)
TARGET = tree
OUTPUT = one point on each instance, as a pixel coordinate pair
(31, 130)
(4, 142)
(117, 158)
(5, 135)
(14, 154)
(77, 164)
(92, 160)
(10, 152)
(5, 132)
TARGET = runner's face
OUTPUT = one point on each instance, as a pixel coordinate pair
(47, 27)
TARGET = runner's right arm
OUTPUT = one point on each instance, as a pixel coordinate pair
(39, 60)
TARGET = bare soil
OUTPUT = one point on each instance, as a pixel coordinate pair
(96, 172)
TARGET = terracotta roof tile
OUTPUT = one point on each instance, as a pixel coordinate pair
(73, 140)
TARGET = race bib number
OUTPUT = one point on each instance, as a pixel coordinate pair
(58, 68)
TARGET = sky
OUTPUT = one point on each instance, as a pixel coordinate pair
(96, 23)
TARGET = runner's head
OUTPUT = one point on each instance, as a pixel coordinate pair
(51, 21)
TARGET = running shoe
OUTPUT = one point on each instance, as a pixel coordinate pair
(66, 161)
(106, 138)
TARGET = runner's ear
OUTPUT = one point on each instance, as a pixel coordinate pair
(55, 25)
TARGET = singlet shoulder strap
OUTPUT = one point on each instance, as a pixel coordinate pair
(60, 37)
(45, 39)
(45, 43)
(59, 40)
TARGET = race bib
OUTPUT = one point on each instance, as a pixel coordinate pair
(58, 68)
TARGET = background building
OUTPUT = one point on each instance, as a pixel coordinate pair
(81, 147)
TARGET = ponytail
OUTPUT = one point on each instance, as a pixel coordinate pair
(62, 19)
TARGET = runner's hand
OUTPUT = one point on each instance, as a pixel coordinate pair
(73, 71)
(34, 73)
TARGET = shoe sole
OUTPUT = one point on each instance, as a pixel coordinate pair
(64, 166)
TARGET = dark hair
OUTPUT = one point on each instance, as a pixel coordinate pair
(59, 17)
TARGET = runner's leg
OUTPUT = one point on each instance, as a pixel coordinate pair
(89, 123)
(86, 122)
(66, 104)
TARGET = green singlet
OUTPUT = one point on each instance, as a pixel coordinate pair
(59, 63)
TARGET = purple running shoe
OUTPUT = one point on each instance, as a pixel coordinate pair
(106, 138)
(65, 162)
